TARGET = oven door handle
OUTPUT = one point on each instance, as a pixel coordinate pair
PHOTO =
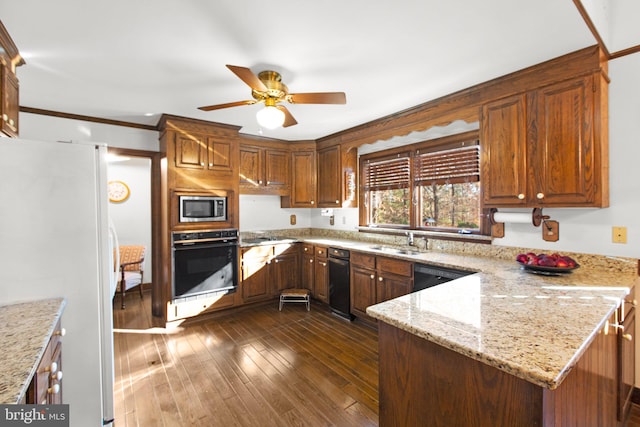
(194, 245)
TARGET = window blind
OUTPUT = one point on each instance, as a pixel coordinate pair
(449, 166)
(388, 173)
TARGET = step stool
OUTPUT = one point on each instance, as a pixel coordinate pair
(295, 295)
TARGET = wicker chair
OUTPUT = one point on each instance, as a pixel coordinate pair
(131, 269)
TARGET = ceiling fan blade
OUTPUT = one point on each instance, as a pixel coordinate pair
(317, 98)
(227, 105)
(247, 76)
(288, 118)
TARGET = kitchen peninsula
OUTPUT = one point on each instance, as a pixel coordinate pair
(505, 347)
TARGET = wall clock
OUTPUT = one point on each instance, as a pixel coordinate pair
(118, 191)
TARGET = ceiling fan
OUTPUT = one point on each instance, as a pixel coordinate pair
(267, 87)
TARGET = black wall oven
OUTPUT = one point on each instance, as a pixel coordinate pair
(204, 263)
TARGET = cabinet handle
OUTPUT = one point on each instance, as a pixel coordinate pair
(372, 277)
(311, 261)
(5, 117)
(380, 279)
(312, 202)
(62, 332)
(627, 337)
(11, 122)
(306, 249)
(57, 376)
(51, 368)
(540, 196)
(337, 202)
(521, 196)
(277, 261)
(201, 163)
(210, 165)
(260, 181)
(54, 390)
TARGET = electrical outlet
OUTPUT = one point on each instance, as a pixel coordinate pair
(292, 220)
(619, 235)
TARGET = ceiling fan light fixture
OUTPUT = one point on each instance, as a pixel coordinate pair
(270, 117)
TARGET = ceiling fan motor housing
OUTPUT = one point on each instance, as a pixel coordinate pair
(275, 88)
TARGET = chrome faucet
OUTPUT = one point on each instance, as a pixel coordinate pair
(410, 238)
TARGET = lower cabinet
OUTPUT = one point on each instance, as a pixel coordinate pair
(46, 385)
(266, 270)
(321, 274)
(375, 279)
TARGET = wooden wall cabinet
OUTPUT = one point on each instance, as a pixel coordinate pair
(9, 85)
(204, 152)
(337, 177)
(303, 181)
(264, 170)
(547, 147)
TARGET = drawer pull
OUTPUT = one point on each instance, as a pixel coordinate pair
(54, 390)
(57, 376)
(51, 368)
(627, 337)
(62, 332)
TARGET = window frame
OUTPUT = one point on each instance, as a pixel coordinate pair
(413, 151)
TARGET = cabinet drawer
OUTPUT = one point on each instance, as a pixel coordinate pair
(257, 252)
(321, 251)
(307, 249)
(395, 266)
(363, 259)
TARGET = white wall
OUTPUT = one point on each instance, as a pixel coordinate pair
(48, 128)
(132, 218)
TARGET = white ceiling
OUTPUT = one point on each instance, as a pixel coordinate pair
(133, 60)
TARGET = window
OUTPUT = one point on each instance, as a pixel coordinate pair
(387, 181)
(433, 185)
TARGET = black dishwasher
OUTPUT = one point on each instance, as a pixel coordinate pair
(426, 276)
(339, 282)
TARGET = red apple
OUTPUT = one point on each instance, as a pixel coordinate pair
(532, 260)
(522, 258)
(562, 263)
(547, 261)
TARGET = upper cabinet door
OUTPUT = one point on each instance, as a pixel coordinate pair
(251, 166)
(329, 194)
(504, 158)
(191, 151)
(562, 148)
(277, 165)
(547, 147)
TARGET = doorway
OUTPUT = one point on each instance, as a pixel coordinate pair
(143, 172)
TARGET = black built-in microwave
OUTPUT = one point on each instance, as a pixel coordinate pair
(202, 208)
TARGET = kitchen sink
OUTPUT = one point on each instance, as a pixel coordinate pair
(269, 239)
(397, 251)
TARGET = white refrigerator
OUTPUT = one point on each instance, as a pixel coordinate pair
(55, 242)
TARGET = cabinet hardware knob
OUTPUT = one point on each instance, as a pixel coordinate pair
(277, 261)
(540, 196)
(521, 196)
(54, 390)
(337, 202)
(260, 181)
(306, 249)
(57, 376)
(268, 182)
(5, 117)
(51, 368)
(311, 261)
(372, 277)
(627, 337)
(62, 332)
(210, 165)
(11, 122)
(380, 279)
(312, 202)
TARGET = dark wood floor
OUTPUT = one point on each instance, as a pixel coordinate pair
(258, 367)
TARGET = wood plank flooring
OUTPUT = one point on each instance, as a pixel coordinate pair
(254, 367)
(257, 367)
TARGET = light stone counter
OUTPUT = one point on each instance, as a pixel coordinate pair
(532, 326)
(25, 330)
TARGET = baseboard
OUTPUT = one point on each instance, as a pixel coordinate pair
(635, 395)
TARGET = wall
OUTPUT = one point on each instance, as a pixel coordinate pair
(132, 218)
(47, 128)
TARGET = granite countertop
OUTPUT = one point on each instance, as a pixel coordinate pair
(25, 330)
(532, 326)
